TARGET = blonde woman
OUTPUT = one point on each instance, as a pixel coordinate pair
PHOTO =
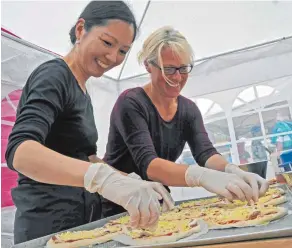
(150, 126)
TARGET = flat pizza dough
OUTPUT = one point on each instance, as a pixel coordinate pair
(265, 217)
(181, 222)
(273, 201)
(83, 238)
(164, 234)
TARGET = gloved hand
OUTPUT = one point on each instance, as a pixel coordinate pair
(140, 198)
(258, 184)
(165, 206)
(227, 185)
(134, 176)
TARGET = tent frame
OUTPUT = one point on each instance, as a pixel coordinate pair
(223, 54)
(31, 45)
(38, 48)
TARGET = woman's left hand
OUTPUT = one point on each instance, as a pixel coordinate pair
(258, 184)
(136, 176)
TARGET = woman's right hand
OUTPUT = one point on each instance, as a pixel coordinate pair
(140, 198)
(227, 185)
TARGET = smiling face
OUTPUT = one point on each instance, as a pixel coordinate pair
(169, 59)
(103, 47)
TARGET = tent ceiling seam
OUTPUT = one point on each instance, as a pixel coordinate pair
(11, 103)
(28, 44)
(10, 83)
(12, 57)
(140, 24)
(245, 86)
(222, 54)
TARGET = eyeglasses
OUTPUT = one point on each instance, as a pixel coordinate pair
(172, 70)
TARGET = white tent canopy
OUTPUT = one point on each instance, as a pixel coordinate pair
(255, 29)
(238, 45)
(211, 27)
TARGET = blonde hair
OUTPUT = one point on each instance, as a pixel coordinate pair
(163, 37)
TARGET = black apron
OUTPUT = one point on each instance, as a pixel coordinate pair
(110, 208)
(44, 209)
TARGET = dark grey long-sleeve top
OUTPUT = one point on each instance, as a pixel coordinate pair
(138, 134)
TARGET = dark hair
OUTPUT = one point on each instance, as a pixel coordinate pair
(98, 13)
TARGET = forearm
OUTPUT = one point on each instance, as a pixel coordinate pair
(95, 159)
(167, 173)
(47, 166)
(216, 162)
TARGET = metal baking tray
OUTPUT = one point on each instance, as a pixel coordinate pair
(276, 229)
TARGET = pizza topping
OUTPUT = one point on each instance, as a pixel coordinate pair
(182, 219)
(73, 240)
(167, 234)
(273, 212)
(90, 234)
(164, 228)
(228, 222)
(121, 220)
(143, 234)
(193, 223)
(254, 215)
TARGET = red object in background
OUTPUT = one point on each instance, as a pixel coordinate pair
(8, 117)
(8, 181)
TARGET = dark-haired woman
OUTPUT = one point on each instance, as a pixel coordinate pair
(53, 142)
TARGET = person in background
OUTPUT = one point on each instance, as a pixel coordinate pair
(53, 142)
(150, 125)
(282, 142)
(259, 152)
(244, 156)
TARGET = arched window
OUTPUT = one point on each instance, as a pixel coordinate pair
(217, 127)
(209, 108)
(256, 113)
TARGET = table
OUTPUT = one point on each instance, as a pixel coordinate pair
(266, 243)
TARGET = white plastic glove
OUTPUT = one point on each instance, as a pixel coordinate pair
(165, 206)
(227, 185)
(140, 198)
(134, 176)
(258, 184)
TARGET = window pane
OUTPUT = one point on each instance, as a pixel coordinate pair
(264, 90)
(244, 126)
(186, 158)
(247, 95)
(237, 103)
(277, 120)
(280, 143)
(214, 110)
(204, 105)
(225, 151)
(244, 151)
(250, 151)
(218, 131)
(258, 151)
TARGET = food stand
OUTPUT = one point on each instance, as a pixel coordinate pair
(275, 233)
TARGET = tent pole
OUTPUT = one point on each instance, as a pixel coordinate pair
(140, 24)
(222, 54)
